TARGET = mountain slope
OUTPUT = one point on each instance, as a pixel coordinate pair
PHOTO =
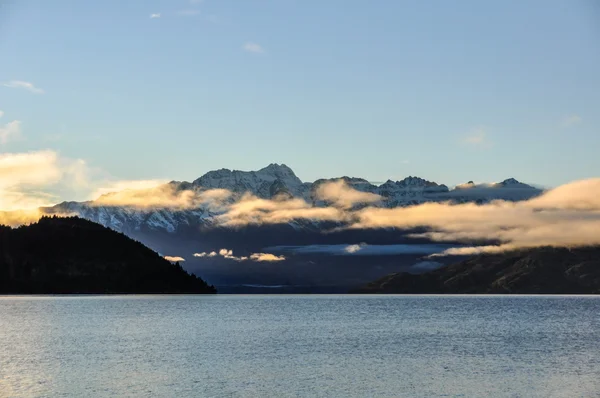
(543, 270)
(72, 255)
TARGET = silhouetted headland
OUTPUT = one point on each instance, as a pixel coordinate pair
(72, 255)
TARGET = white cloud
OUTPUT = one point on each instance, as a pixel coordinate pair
(24, 85)
(253, 48)
(571, 120)
(228, 254)
(174, 259)
(266, 257)
(10, 131)
(1, 113)
(123, 185)
(154, 16)
(353, 248)
(341, 195)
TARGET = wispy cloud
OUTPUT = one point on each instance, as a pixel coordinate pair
(478, 138)
(154, 16)
(24, 85)
(253, 48)
(571, 120)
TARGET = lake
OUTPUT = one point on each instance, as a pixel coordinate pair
(299, 346)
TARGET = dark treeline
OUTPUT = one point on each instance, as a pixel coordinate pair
(72, 255)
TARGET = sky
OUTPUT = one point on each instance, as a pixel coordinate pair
(447, 91)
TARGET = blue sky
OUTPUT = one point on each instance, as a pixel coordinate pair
(448, 91)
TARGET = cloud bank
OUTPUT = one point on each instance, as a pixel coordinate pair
(565, 216)
(156, 194)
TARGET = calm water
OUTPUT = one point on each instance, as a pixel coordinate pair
(299, 346)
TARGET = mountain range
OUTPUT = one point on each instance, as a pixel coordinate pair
(186, 231)
(276, 180)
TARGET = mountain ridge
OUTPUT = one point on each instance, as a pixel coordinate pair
(276, 180)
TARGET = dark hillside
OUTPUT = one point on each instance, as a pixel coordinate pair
(73, 255)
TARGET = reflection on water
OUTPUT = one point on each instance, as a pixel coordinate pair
(250, 346)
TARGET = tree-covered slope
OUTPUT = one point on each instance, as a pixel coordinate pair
(73, 255)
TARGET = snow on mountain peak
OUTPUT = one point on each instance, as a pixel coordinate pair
(257, 182)
(513, 183)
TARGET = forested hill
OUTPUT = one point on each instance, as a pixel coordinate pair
(73, 255)
(543, 270)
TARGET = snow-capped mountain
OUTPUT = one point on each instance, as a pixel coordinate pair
(276, 180)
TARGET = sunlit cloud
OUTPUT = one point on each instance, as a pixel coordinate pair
(228, 254)
(174, 259)
(148, 194)
(26, 177)
(24, 85)
(565, 216)
(252, 210)
(154, 16)
(266, 257)
(353, 248)
(341, 195)
(253, 48)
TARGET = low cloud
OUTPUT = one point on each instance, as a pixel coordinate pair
(353, 248)
(266, 257)
(252, 210)
(568, 215)
(341, 195)
(174, 259)
(156, 194)
(24, 85)
(228, 254)
(253, 48)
